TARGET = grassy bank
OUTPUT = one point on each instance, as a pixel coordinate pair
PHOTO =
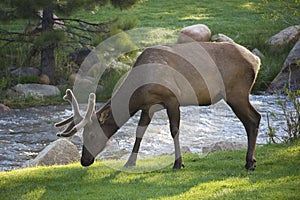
(240, 20)
(215, 176)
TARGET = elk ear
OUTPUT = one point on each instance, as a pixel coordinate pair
(104, 115)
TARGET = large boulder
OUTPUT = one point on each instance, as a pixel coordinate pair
(290, 72)
(286, 37)
(59, 152)
(37, 90)
(197, 32)
(24, 71)
(225, 146)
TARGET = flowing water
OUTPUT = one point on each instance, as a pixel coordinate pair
(25, 132)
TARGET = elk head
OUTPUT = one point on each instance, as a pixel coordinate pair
(94, 139)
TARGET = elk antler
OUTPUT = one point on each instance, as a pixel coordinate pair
(76, 121)
(88, 115)
(72, 120)
(69, 96)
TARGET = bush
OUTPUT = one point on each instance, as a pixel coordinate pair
(110, 81)
(291, 116)
(285, 11)
(271, 65)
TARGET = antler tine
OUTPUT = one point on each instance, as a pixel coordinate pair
(64, 122)
(83, 122)
(68, 132)
(69, 96)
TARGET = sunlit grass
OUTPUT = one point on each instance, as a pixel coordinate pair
(195, 17)
(35, 193)
(215, 176)
(143, 164)
(249, 6)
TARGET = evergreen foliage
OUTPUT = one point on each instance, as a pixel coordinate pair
(44, 32)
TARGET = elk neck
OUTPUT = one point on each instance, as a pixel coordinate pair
(107, 120)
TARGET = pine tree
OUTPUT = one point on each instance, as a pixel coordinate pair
(48, 39)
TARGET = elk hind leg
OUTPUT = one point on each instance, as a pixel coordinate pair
(250, 119)
(174, 118)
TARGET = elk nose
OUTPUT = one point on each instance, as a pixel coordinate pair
(86, 162)
(86, 158)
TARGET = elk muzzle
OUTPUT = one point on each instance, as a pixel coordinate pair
(86, 157)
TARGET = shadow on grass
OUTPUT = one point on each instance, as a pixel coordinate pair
(218, 175)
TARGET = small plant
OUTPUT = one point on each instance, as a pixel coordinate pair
(272, 132)
(109, 82)
(291, 116)
(3, 83)
(284, 11)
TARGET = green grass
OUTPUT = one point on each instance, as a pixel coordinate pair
(25, 102)
(240, 20)
(216, 176)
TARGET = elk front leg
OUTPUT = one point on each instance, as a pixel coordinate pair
(145, 120)
(174, 118)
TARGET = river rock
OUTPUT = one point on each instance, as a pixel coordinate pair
(44, 79)
(290, 72)
(11, 94)
(258, 53)
(24, 71)
(288, 36)
(225, 146)
(4, 108)
(221, 38)
(197, 32)
(79, 55)
(37, 90)
(59, 152)
(72, 78)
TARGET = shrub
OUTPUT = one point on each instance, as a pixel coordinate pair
(291, 116)
(3, 83)
(110, 81)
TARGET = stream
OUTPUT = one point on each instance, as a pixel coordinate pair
(25, 132)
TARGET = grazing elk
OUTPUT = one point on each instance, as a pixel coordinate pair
(167, 77)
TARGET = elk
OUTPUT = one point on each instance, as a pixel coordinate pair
(167, 77)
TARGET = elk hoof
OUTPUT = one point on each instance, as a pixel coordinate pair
(178, 164)
(250, 165)
(130, 164)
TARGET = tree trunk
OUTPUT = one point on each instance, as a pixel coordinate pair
(47, 52)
